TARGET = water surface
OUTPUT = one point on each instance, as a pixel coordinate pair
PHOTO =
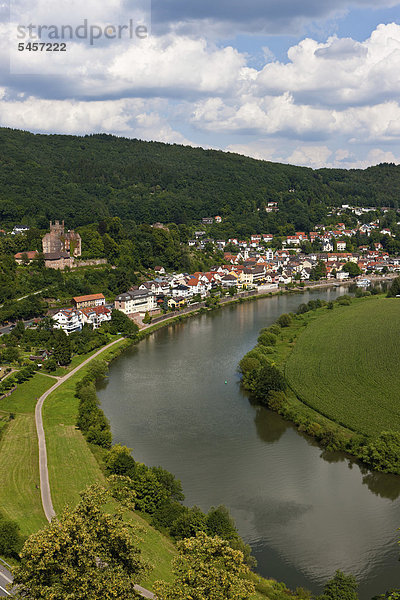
(305, 513)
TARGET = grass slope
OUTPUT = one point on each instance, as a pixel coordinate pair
(345, 365)
(19, 457)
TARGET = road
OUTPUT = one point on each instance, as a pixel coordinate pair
(5, 580)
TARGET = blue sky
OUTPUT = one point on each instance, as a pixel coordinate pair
(313, 83)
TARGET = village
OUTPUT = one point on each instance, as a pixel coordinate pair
(264, 263)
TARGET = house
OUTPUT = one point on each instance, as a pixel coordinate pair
(89, 300)
(19, 229)
(229, 281)
(246, 277)
(327, 245)
(182, 290)
(207, 220)
(341, 246)
(58, 260)
(159, 270)
(28, 256)
(95, 315)
(218, 219)
(68, 319)
(135, 301)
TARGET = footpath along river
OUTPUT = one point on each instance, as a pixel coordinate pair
(305, 513)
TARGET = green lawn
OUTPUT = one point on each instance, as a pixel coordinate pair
(24, 399)
(19, 460)
(345, 365)
(19, 475)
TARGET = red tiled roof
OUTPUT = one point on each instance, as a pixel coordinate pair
(89, 297)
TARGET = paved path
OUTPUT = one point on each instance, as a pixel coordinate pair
(44, 474)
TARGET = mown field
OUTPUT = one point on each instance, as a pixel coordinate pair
(19, 459)
(345, 365)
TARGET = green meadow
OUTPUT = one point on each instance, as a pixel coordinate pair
(345, 365)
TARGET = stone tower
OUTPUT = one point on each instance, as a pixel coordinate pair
(58, 241)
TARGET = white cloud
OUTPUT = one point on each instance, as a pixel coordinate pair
(130, 118)
(310, 156)
(341, 72)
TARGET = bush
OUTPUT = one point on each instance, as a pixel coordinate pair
(268, 379)
(119, 461)
(383, 453)
(267, 339)
(284, 320)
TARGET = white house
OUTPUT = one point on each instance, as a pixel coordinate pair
(68, 319)
(95, 315)
(135, 301)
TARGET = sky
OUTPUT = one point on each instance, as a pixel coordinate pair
(311, 82)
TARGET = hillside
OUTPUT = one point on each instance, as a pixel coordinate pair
(46, 177)
(345, 365)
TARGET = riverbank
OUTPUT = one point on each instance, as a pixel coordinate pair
(340, 376)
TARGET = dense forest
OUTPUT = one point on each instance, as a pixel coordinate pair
(45, 177)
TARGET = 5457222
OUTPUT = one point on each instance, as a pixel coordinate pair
(42, 47)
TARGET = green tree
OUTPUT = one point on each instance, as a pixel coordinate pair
(352, 269)
(268, 379)
(121, 323)
(86, 554)
(220, 522)
(394, 289)
(207, 568)
(147, 317)
(284, 320)
(10, 539)
(340, 587)
(119, 461)
(62, 348)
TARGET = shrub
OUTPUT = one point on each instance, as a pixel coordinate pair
(268, 379)
(267, 339)
(284, 320)
(383, 453)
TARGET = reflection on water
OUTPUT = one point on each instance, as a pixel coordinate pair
(305, 512)
(269, 426)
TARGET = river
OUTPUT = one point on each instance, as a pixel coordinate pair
(305, 512)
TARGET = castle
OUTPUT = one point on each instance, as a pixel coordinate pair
(59, 242)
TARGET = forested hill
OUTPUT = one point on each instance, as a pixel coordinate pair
(83, 179)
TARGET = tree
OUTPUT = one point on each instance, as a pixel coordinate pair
(340, 587)
(284, 320)
(220, 522)
(121, 323)
(87, 554)
(207, 568)
(10, 539)
(62, 348)
(394, 289)
(268, 379)
(352, 269)
(119, 461)
(147, 317)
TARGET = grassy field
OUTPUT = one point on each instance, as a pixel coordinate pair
(19, 461)
(345, 365)
(19, 475)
